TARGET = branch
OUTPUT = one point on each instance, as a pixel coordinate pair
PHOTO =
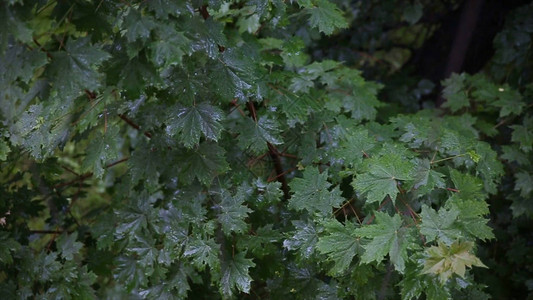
(274, 155)
(82, 177)
(132, 124)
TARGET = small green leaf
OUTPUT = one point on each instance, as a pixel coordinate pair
(103, 148)
(235, 275)
(412, 13)
(454, 92)
(7, 246)
(4, 149)
(523, 134)
(340, 244)
(312, 193)
(203, 252)
(468, 186)
(256, 135)
(439, 226)
(523, 183)
(326, 16)
(426, 179)
(387, 236)
(68, 245)
(190, 122)
(383, 176)
(354, 146)
(233, 212)
(74, 70)
(304, 239)
(203, 163)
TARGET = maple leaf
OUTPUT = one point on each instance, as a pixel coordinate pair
(382, 177)
(523, 183)
(256, 135)
(470, 219)
(454, 92)
(190, 122)
(523, 134)
(7, 246)
(439, 226)
(103, 148)
(203, 163)
(426, 179)
(354, 146)
(203, 252)
(235, 275)
(325, 16)
(444, 261)
(74, 70)
(469, 187)
(68, 245)
(233, 212)
(387, 236)
(312, 192)
(340, 244)
(304, 239)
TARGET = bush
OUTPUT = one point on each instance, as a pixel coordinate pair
(173, 149)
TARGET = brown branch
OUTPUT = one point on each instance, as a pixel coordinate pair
(279, 170)
(132, 124)
(274, 155)
(82, 177)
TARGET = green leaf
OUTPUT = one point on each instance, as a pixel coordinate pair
(382, 177)
(4, 150)
(249, 24)
(129, 272)
(513, 153)
(523, 183)
(202, 163)
(426, 179)
(203, 252)
(444, 261)
(326, 16)
(439, 226)
(74, 70)
(387, 236)
(489, 167)
(262, 243)
(312, 193)
(256, 135)
(103, 148)
(340, 244)
(7, 245)
(163, 8)
(454, 92)
(354, 146)
(137, 26)
(470, 219)
(412, 13)
(68, 245)
(170, 47)
(11, 25)
(190, 122)
(468, 186)
(233, 212)
(235, 275)
(304, 239)
(523, 134)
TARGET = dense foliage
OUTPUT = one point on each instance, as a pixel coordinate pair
(204, 149)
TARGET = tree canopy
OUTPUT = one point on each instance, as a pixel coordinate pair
(263, 150)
